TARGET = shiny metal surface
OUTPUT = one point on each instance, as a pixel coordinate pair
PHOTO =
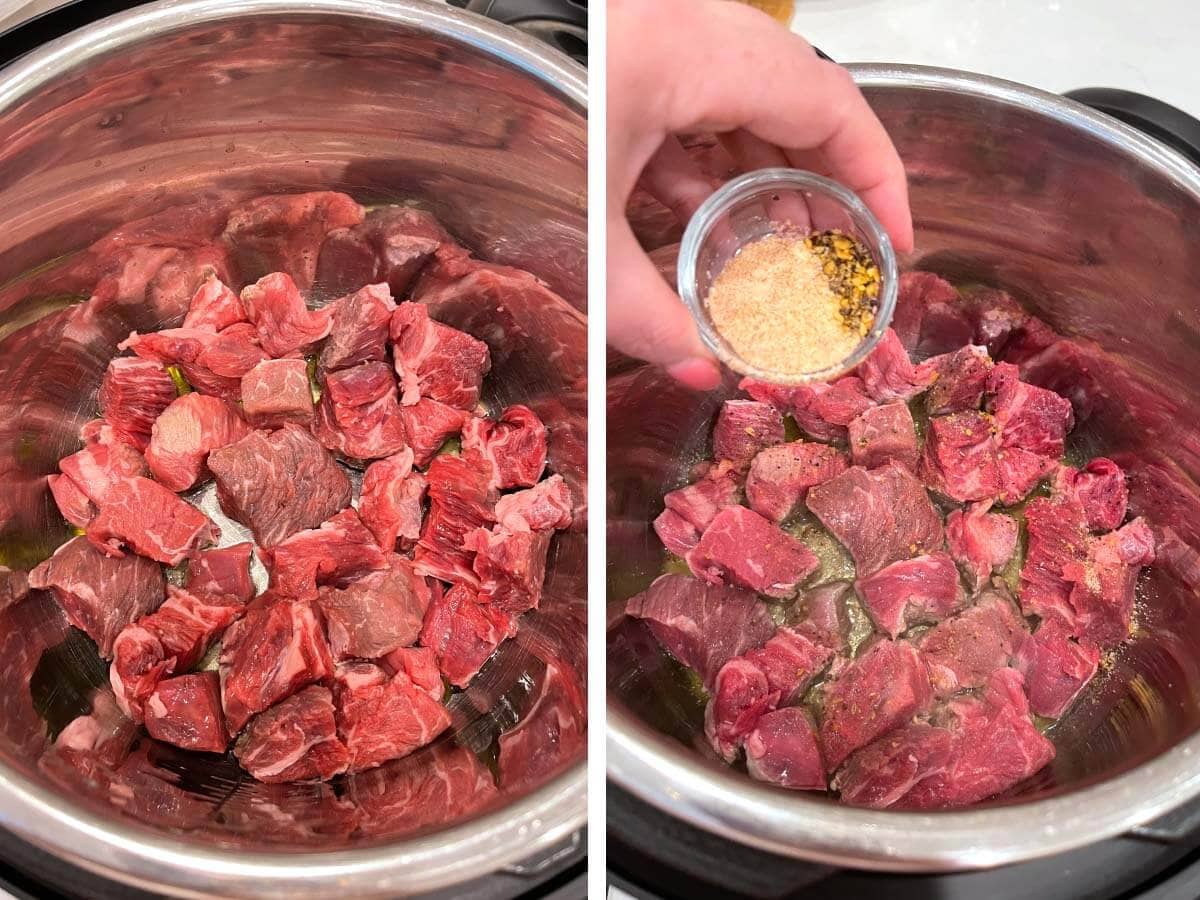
(209, 102)
(1092, 225)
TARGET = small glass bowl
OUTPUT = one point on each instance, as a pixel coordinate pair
(775, 201)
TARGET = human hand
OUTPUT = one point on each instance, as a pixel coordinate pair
(688, 66)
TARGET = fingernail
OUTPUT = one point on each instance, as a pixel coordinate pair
(697, 372)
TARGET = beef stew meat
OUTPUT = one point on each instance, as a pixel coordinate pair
(991, 574)
(382, 599)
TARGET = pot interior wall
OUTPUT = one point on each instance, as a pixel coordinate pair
(210, 114)
(1101, 246)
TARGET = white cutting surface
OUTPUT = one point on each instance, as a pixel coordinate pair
(1056, 45)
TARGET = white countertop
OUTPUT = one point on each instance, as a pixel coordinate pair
(1057, 45)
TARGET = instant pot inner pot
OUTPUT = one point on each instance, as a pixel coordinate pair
(213, 114)
(1102, 247)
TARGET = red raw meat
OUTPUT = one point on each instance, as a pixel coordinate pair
(1102, 584)
(1057, 537)
(882, 773)
(464, 633)
(962, 652)
(880, 516)
(73, 503)
(359, 413)
(1056, 668)
(996, 317)
(511, 567)
(868, 697)
(225, 358)
(436, 361)
(336, 553)
(132, 395)
(186, 432)
(295, 740)
(284, 232)
(443, 784)
(546, 506)
(392, 495)
(1030, 418)
(427, 426)
(780, 477)
(791, 661)
(1101, 490)
(888, 374)
(677, 534)
(98, 467)
(960, 459)
(222, 571)
(915, 294)
(514, 445)
(278, 483)
(744, 427)
(381, 718)
(1020, 471)
(375, 614)
(981, 542)
(945, 328)
(961, 380)
(700, 502)
(268, 655)
(742, 548)
(391, 245)
(917, 591)
(359, 331)
(277, 311)
(824, 619)
(14, 587)
(461, 499)
(186, 711)
(782, 749)
(97, 431)
(550, 734)
(884, 433)
(214, 306)
(700, 624)
(420, 665)
(100, 594)
(150, 520)
(277, 391)
(821, 410)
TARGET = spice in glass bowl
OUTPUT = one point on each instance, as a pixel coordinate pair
(795, 304)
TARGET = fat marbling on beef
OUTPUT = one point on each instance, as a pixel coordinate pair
(277, 391)
(186, 711)
(185, 433)
(382, 717)
(295, 740)
(744, 548)
(391, 500)
(377, 613)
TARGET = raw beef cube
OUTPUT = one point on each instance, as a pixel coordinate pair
(880, 516)
(888, 374)
(277, 391)
(1056, 668)
(284, 232)
(511, 567)
(97, 431)
(995, 747)
(700, 624)
(981, 542)
(824, 619)
(187, 431)
(960, 457)
(427, 426)
(464, 633)
(100, 594)
(359, 331)
(420, 665)
(945, 328)
(186, 711)
(1102, 584)
(544, 507)
(700, 502)
(14, 587)
(1100, 489)
(392, 495)
(436, 361)
(132, 395)
(382, 722)
(278, 483)
(741, 547)
(1057, 538)
(962, 652)
(223, 571)
(283, 323)
(268, 655)
(296, 740)
(359, 413)
(336, 553)
(821, 410)
(1031, 418)
(677, 534)
(224, 360)
(214, 306)
(884, 433)
(550, 734)
(996, 317)
(740, 697)
(791, 662)
(93, 471)
(782, 749)
(868, 697)
(514, 445)
(1020, 471)
(882, 773)
(461, 499)
(744, 427)
(915, 294)
(961, 381)
(780, 477)
(376, 614)
(443, 784)
(917, 591)
(74, 504)
(150, 520)
(391, 245)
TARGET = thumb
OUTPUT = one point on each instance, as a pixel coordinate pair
(647, 320)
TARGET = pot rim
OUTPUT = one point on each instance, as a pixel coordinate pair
(137, 855)
(667, 775)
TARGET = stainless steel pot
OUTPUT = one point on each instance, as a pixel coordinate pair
(210, 100)
(1092, 225)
